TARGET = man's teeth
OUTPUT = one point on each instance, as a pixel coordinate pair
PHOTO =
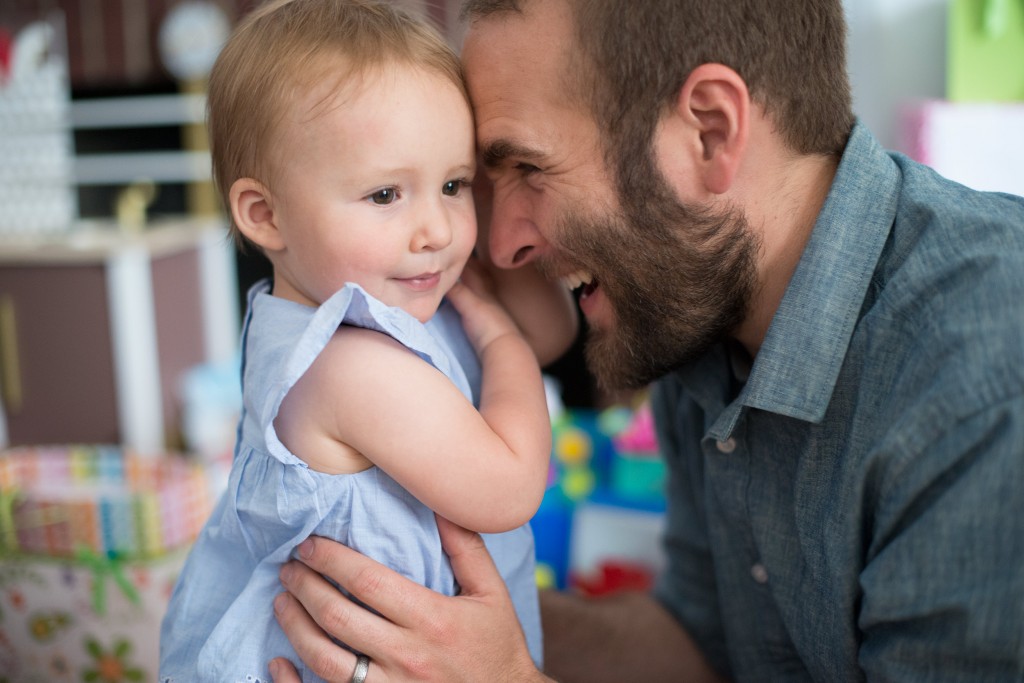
(577, 279)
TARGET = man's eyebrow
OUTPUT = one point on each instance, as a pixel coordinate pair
(497, 152)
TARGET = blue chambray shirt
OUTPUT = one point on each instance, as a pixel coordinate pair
(851, 506)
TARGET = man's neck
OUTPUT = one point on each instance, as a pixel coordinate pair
(791, 193)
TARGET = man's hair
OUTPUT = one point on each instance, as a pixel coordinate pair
(631, 58)
(283, 49)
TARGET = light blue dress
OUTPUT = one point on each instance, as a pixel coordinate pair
(220, 624)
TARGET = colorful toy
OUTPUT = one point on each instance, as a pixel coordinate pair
(614, 576)
(575, 442)
(638, 471)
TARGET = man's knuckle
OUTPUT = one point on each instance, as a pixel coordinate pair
(367, 584)
(417, 664)
(337, 618)
(439, 630)
(326, 664)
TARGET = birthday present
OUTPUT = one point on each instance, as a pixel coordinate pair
(91, 542)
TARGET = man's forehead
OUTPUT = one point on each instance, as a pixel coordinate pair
(512, 65)
(543, 25)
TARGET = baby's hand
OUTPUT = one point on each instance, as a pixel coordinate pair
(483, 318)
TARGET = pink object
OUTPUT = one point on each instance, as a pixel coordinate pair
(639, 435)
(5, 54)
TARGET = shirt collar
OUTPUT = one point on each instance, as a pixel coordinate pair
(796, 368)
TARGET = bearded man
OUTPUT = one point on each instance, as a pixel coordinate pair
(834, 334)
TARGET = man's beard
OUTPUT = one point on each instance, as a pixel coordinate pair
(679, 279)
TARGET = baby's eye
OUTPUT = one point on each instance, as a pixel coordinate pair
(384, 196)
(453, 187)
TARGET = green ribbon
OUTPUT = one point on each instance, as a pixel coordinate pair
(103, 566)
(8, 535)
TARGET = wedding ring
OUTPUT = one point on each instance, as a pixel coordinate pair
(362, 667)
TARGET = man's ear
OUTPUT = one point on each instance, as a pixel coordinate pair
(715, 104)
(252, 207)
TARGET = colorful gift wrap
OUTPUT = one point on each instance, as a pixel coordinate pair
(56, 501)
(92, 539)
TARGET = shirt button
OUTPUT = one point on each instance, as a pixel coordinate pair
(727, 446)
(759, 573)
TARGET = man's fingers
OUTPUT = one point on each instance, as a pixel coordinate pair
(375, 585)
(411, 632)
(320, 653)
(471, 562)
(282, 671)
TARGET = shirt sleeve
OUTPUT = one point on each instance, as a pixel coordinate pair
(943, 584)
(687, 587)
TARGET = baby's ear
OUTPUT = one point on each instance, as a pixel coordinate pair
(252, 208)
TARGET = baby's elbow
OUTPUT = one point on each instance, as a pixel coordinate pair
(511, 514)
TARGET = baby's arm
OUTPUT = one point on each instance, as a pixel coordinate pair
(367, 394)
(512, 398)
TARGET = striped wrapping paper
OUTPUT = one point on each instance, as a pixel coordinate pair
(64, 501)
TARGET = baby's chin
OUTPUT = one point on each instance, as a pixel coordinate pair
(423, 311)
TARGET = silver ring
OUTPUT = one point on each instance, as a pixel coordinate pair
(362, 667)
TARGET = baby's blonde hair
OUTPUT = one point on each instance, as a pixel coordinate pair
(287, 47)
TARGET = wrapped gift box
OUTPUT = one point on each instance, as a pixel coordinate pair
(65, 501)
(86, 619)
(91, 542)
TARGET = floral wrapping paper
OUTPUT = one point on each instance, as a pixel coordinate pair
(97, 622)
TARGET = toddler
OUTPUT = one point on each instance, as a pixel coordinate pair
(342, 140)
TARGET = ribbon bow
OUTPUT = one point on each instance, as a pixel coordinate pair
(8, 536)
(110, 564)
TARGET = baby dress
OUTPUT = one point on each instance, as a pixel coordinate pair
(220, 624)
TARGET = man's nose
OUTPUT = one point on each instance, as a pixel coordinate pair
(515, 239)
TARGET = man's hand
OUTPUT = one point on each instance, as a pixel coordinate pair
(418, 635)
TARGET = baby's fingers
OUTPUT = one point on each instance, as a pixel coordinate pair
(476, 277)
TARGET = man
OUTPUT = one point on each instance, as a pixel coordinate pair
(836, 338)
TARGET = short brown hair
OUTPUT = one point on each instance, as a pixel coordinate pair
(287, 46)
(632, 58)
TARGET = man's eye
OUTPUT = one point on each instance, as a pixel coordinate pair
(453, 187)
(384, 196)
(526, 169)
